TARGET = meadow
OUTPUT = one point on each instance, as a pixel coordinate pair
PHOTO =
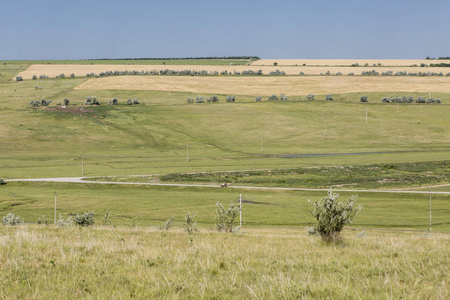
(43, 262)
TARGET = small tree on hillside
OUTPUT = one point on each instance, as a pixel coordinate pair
(364, 99)
(329, 97)
(226, 218)
(310, 96)
(332, 215)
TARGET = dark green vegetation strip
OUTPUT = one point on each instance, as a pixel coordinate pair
(359, 176)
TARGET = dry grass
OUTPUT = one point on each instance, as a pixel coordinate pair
(346, 62)
(260, 86)
(106, 263)
(81, 70)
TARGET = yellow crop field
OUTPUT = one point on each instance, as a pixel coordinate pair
(82, 70)
(346, 62)
(258, 86)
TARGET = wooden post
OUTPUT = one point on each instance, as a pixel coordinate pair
(55, 206)
(187, 151)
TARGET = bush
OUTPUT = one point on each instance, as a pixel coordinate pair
(168, 224)
(258, 99)
(63, 223)
(19, 78)
(190, 100)
(310, 96)
(364, 99)
(200, 99)
(283, 97)
(190, 225)
(135, 101)
(11, 220)
(332, 215)
(85, 219)
(61, 76)
(66, 102)
(129, 102)
(329, 97)
(225, 219)
(231, 98)
(213, 99)
(44, 220)
(115, 101)
(2, 181)
(34, 77)
(273, 97)
(72, 75)
(275, 64)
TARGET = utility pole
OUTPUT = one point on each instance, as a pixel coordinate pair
(325, 133)
(55, 206)
(240, 210)
(261, 144)
(366, 115)
(430, 209)
(187, 150)
(82, 161)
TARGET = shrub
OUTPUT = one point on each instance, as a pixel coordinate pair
(225, 218)
(168, 224)
(283, 97)
(63, 223)
(200, 99)
(94, 101)
(275, 64)
(66, 102)
(11, 220)
(37, 87)
(115, 101)
(43, 77)
(129, 102)
(72, 75)
(277, 73)
(190, 225)
(2, 181)
(213, 99)
(85, 219)
(190, 100)
(302, 74)
(258, 99)
(61, 76)
(364, 99)
(310, 96)
(34, 77)
(231, 98)
(19, 78)
(44, 220)
(135, 101)
(329, 97)
(438, 101)
(332, 215)
(273, 97)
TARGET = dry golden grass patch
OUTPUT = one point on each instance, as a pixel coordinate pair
(346, 62)
(81, 70)
(270, 85)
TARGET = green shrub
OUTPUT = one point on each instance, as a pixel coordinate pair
(63, 223)
(364, 99)
(2, 181)
(44, 220)
(329, 97)
(19, 78)
(168, 224)
(332, 215)
(190, 225)
(310, 96)
(11, 220)
(85, 219)
(226, 218)
(273, 97)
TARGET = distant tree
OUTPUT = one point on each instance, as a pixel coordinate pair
(329, 97)
(231, 98)
(135, 101)
(310, 96)
(34, 77)
(283, 97)
(258, 99)
(115, 101)
(190, 100)
(275, 64)
(72, 75)
(364, 99)
(200, 99)
(66, 102)
(273, 97)
(19, 78)
(129, 102)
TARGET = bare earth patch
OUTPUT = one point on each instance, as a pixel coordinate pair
(259, 86)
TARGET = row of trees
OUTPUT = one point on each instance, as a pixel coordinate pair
(90, 100)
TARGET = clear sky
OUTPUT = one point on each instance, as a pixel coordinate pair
(78, 29)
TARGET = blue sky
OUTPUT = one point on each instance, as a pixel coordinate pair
(81, 29)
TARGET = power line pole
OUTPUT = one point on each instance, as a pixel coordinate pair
(430, 209)
(261, 145)
(82, 161)
(366, 115)
(187, 151)
(240, 210)
(325, 133)
(55, 206)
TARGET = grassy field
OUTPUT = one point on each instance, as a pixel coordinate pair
(153, 205)
(105, 262)
(346, 62)
(175, 62)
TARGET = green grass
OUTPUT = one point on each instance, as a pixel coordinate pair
(103, 262)
(152, 205)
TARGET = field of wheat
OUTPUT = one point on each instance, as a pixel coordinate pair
(259, 86)
(82, 70)
(346, 62)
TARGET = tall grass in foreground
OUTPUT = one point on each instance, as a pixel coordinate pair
(45, 262)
